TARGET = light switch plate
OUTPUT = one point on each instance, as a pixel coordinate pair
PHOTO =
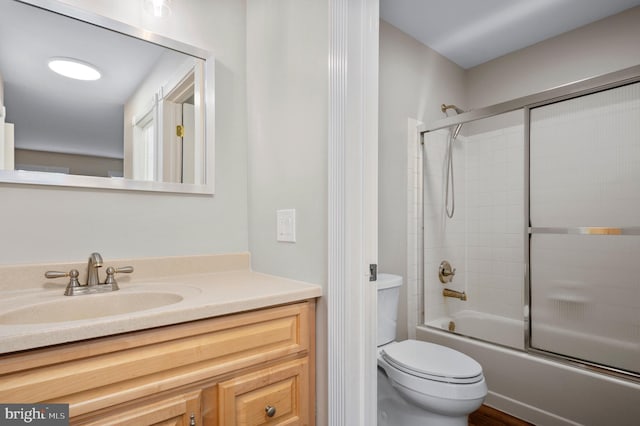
(286, 226)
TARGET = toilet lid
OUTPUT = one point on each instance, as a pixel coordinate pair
(433, 362)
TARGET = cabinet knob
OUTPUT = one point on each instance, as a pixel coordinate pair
(192, 420)
(270, 410)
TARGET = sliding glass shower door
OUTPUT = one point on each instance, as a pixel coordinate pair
(585, 228)
(543, 251)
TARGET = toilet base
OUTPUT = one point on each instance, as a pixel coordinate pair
(394, 410)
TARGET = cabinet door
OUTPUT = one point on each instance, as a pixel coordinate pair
(180, 410)
(276, 395)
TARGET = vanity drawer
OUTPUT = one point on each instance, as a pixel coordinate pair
(274, 396)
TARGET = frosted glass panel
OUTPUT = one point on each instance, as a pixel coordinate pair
(585, 172)
(585, 160)
(586, 298)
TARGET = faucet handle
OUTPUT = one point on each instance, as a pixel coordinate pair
(72, 274)
(111, 271)
(56, 274)
(446, 272)
(73, 280)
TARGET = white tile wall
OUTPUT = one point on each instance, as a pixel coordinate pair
(484, 240)
(495, 221)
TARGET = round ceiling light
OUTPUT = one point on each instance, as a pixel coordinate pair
(74, 68)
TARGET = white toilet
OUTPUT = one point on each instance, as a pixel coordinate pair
(421, 383)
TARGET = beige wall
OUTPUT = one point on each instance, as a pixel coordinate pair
(607, 45)
(414, 81)
(41, 224)
(287, 86)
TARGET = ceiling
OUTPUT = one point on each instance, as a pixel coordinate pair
(471, 32)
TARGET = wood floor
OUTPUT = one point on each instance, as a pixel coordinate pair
(487, 416)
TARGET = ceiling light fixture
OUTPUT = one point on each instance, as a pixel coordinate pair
(158, 8)
(74, 68)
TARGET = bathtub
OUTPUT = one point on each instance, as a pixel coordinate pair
(492, 328)
(533, 387)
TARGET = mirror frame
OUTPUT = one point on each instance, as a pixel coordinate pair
(79, 181)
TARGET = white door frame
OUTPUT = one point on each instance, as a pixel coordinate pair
(352, 211)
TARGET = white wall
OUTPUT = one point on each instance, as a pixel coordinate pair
(607, 45)
(287, 86)
(42, 224)
(287, 80)
(414, 82)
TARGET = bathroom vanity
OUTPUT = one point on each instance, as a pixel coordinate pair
(247, 357)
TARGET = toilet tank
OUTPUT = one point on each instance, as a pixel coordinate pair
(388, 297)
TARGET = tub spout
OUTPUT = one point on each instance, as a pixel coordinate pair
(455, 294)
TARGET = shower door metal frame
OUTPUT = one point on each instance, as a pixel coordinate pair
(564, 92)
(556, 94)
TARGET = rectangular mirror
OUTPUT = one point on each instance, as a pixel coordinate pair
(143, 121)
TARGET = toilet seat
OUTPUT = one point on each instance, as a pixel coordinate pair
(409, 370)
(432, 362)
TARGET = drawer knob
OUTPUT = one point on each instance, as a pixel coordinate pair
(270, 410)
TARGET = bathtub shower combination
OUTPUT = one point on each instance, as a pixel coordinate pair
(541, 232)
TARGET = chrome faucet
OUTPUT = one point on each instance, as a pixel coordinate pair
(455, 294)
(95, 262)
(93, 285)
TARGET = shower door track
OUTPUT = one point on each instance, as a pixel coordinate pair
(556, 94)
(586, 365)
(526, 103)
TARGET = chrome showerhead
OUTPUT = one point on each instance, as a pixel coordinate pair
(444, 109)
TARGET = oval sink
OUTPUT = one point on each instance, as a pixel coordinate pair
(75, 308)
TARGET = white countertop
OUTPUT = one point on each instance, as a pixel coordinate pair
(204, 295)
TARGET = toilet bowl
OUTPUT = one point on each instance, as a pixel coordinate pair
(424, 381)
(421, 383)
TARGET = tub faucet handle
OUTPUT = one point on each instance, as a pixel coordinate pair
(445, 272)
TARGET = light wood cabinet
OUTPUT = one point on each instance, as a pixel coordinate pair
(220, 371)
